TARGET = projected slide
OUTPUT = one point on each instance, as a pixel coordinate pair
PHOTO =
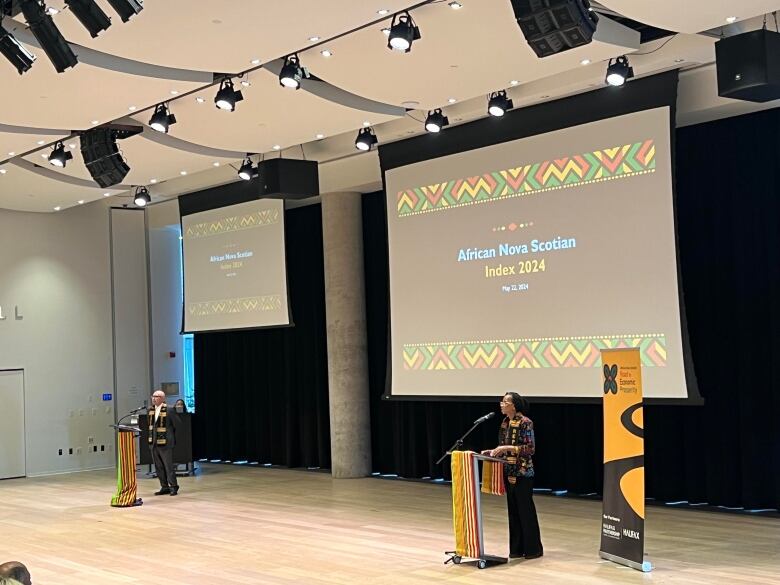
(512, 266)
(234, 267)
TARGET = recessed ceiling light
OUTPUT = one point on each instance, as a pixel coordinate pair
(320, 136)
(731, 19)
(200, 100)
(455, 5)
(451, 100)
(132, 108)
(51, 11)
(255, 61)
(72, 145)
(679, 60)
(277, 147)
(174, 92)
(216, 164)
(383, 11)
(386, 30)
(152, 181)
(41, 142)
(80, 202)
(514, 82)
(57, 208)
(3, 171)
(44, 155)
(106, 194)
(366, 124)
(11, 153)
(95, 122)
(182, 173)
(245, 82)
(314, 39)
(326, 53)
(585, 62)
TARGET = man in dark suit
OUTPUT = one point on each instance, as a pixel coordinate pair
(16, 571)
(162, 439)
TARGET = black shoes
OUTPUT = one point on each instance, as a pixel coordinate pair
(163, 491)
(174, 491)
(536, 556)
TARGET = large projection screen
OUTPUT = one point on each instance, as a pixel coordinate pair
(512, 265)
(235, 274)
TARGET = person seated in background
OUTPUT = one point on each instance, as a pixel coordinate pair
(180, 406)
(15, 572)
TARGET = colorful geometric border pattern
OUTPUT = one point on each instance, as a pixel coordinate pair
(241, 305)
(233, 224)
(618, 162)
(558, 352)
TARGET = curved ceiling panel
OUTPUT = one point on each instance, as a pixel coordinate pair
(689, 16)
(462, 54)
(206, 35)
(269, 115)
(13, 143)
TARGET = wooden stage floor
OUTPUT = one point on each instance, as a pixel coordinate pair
(258, 525)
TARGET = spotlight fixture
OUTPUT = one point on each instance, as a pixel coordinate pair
(403, 32)
(162, 119)
(292, 73)
(127, 8)
(499, 104)
(142, 197)
(227, 97)
(59, 157)
(247, 170)
(365, 139)
(436, 120)
(90, 15)
(15, 52)
(618, 71)
(48, 35)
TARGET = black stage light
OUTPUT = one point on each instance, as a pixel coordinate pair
(90, 15)
(292, 73)
(142, 197)
(499, 104)
(618, 71)
(59, 157)
(162, 119)
(247, 170)
(227, 97)
(365, 139)
(436, 120)
(50, 38)
(15, 52)
(403, 32)
(127, 8)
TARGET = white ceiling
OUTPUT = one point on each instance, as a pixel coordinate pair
(463, 54)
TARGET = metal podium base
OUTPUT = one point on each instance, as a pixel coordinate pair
(482, 562)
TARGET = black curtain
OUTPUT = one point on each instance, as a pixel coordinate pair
(262, 395)
(726, 452)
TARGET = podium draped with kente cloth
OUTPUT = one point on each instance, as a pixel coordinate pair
(466, 503)
(126, 486)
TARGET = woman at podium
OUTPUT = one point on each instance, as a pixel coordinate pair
(516, 444)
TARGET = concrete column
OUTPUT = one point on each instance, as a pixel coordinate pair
(345, 306)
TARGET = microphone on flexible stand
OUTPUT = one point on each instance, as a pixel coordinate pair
(482, 419)
(139, 409)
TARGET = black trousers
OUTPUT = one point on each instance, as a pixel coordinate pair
(163, 464)
(524, 538)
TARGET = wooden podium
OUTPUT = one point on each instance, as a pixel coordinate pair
(126, 495)
(467, 509)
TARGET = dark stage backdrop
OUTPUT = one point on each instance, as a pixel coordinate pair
(262, 395)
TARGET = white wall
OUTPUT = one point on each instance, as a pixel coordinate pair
(55, 267)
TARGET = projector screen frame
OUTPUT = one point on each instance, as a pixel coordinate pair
(218, 198)
(639, 95)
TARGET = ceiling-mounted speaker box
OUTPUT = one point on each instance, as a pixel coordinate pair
(287, 178)
(748, 66)
(554, 26)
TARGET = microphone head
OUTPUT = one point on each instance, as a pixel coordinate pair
(490, 415)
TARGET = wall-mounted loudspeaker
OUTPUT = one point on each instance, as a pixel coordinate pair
(748, 66)
(554, 26)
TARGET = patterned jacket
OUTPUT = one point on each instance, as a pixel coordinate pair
(519, 433)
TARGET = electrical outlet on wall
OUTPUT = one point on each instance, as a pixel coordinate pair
(90, 440)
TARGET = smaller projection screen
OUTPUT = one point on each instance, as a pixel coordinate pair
(513, 265)
(235, 275)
